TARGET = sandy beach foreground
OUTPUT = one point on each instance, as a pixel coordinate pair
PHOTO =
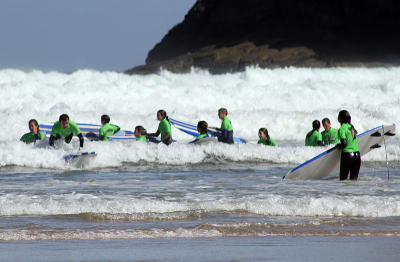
(313, 248)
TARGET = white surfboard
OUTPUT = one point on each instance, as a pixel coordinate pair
(79, 155)
(206, 139)
(329, 161)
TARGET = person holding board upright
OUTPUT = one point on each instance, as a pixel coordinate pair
(350, 159)
(314, 137)
(226, 127)
(164, 128)
(65, 129)
(107, 129)
(330, 135)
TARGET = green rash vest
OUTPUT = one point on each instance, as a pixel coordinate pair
(312, 140)
(226, 124)
(142, 139)
(330, 136)
(201, 136)
(346, 133)
(107, 130)
(30, 137)
(271, 142)
(71, 128)
(164, 127)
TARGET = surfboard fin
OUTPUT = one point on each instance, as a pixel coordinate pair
(376, 134)
(388, 133)
(375, 146)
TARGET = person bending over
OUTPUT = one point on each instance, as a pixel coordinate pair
(65, 129)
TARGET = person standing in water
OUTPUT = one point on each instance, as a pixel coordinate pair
(202, 127)
(265, 139)
(350, 159)
(35, 133)
(65, 129)
(226, 127)
(107, 129)
(330, 135)
(140, 133)
(314, 137)
(164, 128)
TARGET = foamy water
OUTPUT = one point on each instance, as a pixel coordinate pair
(144, 190)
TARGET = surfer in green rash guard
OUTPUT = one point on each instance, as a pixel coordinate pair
(265, 139)
(164, 128)
(226, 127)
(330, 134)
(350, 159)
(65, 128)
(314, 137)
(35, 133)
(140, 133)
(202, 127)
(107, 129)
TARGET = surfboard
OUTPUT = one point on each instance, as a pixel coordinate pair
(79, 155)
(329, 161)
(89, 131)
(191, 129)
(206, 139)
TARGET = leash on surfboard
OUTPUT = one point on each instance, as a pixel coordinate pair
(384, 141)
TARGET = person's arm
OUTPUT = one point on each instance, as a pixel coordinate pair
(154, 134)
(224, 136)
(343, 144)
(53, 138)
(118, 128)
(166, 137)
(320, 143)
(81, 139)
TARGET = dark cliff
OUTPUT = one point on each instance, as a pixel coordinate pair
(228, 35)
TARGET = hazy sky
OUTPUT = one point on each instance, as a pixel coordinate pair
(67, 35)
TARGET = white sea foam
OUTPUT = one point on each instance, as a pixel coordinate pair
(285, 101)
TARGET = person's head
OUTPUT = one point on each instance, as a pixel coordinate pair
(202, 127)
(344, 117)
(222, 113)
(161, 114)
(316, 125)
(326, 123)
(105, 119)
(263, 133)
(33, 125)
(140, 131)
(64, 121)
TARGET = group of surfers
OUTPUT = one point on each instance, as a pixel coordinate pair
(346, 135)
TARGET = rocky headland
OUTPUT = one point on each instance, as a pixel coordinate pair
(229, 35)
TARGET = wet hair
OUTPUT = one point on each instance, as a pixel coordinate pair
(36, 123)
(105, 118)
(223, 110)
(265, 131)
(326, 120)
(346, 118)
(163, 114)
(63, 117)
(315, 126)
(141, 130)
(203, 127)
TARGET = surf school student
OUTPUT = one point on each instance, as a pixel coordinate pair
(65, 129)
(164, 128)
(202, 127)
(314, 137)
(350, 160)
(107, 129)
(265, 139)
(330, 135)
(35, 133)
(226, 127)
(140, 133)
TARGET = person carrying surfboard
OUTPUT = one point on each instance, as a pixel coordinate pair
(330, 134)
(107, 129)
(314, 137)
(226, 129)
(140, 133)
(265, 139)
(164, 128)
(35, 133)
(350, 160)
(65, 128)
